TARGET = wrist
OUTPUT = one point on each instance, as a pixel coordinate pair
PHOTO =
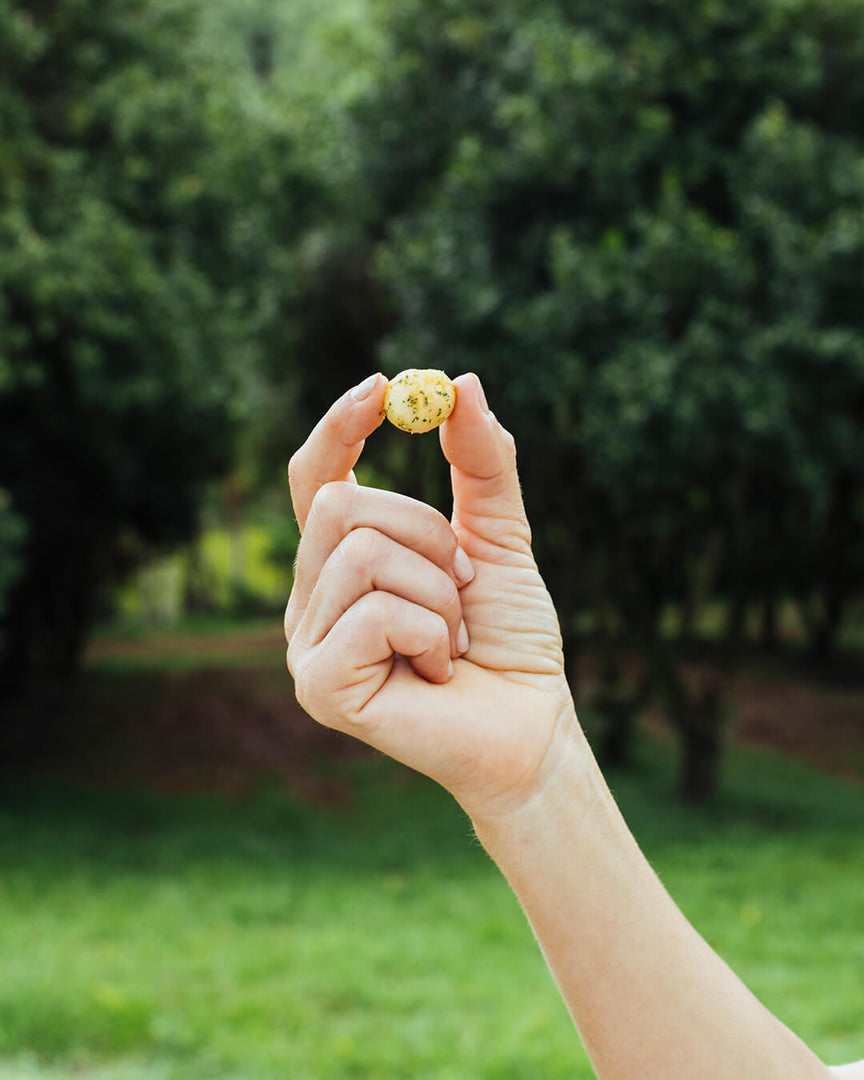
(566, 779)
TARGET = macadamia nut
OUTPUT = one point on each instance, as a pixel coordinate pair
(419, 399)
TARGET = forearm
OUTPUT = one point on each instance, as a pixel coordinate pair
(648, 995)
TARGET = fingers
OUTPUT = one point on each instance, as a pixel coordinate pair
(487, 500)
(336, 678)
(340, 509)
(332, 450)
(367, 560)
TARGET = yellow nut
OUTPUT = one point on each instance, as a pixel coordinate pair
(419, 399)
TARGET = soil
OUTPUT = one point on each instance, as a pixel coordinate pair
(233, 721)
(225, 730)
(774, 703)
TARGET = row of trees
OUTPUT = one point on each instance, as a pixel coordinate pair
(642, 225)
(141, 201)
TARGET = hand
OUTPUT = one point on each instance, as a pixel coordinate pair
(382, 586)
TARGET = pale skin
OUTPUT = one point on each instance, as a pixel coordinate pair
(436, 642)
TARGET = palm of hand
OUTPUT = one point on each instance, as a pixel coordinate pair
(486, 733)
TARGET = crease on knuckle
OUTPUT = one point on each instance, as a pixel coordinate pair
(360, 549)
(438, 636)
(448, 600)
(332, 501)
(442, 535)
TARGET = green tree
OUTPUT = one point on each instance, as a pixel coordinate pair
(142, 202)
(643, 225)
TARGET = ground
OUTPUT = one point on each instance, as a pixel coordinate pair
(148, 937)
(198, 710)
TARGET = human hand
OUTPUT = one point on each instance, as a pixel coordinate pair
(381, 587)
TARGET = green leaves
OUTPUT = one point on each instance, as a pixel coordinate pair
(643, 228)
(140, 192)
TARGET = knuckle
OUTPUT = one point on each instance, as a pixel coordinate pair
(294, 612)
(294, 658)
(333, 497)
(433, 625)
(447, 595)
(438, 635)
(295, 468)
(442, 535)
(332, 500)
(302, 684)
(306, 686)
(375, 607)
(361, 547)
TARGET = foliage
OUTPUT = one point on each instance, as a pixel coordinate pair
(644, 227)
(641, 225)
(140, 201)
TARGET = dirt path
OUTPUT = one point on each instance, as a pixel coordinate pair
(226, 717)
(775, 706)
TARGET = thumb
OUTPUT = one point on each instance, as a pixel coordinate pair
(487, 500)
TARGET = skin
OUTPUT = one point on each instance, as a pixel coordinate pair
(436, 642)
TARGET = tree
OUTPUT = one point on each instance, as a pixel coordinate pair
(142, 202)
(643, 225)
(11, 536)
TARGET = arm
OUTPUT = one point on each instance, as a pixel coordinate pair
(650, 998)
(437, 643)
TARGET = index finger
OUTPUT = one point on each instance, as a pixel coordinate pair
(335, 444)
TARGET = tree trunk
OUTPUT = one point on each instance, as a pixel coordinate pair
(823, 631)
(769, 624)
(701, 744)
(50, 607)
(702, 582)
(698, 718)
(736, 620)
(619, 707)
(45, 629)
(616, 743)
(837, 580)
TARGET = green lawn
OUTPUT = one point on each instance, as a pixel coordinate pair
(150, 937)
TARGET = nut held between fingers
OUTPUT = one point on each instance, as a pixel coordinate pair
(419, 399)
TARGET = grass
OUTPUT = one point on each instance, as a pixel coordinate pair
(153, 938)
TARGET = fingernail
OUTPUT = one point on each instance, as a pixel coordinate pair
(365, 388)
(449, 669)
(462, 638)
(462, 567)
(484, 405)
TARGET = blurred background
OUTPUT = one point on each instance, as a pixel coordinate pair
(642, 224)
